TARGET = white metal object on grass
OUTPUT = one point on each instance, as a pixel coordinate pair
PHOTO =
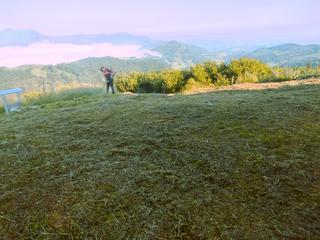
(11, 107)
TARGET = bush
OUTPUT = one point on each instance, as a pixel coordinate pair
(192, 84)
(210, 73)
(222, 80)
(150, 83)
(199, 74)
(170, 81)
(173, 81)
(249, 70)
(212, 70)
(225, 71)
(127, 82)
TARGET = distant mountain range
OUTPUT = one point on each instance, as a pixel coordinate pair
(11, 37)
(173, 53)
(181, 55)
(15, 38)
(288, 55)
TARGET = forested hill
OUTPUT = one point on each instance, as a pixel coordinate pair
(86, 71)
(181, 55)
(282, 55)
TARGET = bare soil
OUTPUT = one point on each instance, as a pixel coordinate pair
(255, 86)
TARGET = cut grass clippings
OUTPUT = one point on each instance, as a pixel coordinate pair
(222, 165)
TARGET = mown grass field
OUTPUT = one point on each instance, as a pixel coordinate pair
(221, 165)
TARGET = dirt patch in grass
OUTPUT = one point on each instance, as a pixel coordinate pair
(256, 86)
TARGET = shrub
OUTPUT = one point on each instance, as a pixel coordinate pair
(127, 82)
(225, 71)
(222, 80)
(150, 83)
(249, 70)
(191, 84)
(212, 70)
(206, 74)
(199, 74)
(173, 81)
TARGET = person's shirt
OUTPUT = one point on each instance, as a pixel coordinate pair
(107, 73)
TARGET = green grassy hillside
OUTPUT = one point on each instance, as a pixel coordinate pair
(222, 165)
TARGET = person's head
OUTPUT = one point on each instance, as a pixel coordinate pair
(102, 69)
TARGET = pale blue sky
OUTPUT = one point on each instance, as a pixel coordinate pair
(239, 20)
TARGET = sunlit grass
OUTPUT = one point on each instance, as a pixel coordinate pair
(65, 95)
(222, 165)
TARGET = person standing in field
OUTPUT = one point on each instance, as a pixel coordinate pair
(108, 74)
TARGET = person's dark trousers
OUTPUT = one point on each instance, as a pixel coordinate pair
(110, 85)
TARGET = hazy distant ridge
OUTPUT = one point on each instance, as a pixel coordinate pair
(175, 53)
(9, 38)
